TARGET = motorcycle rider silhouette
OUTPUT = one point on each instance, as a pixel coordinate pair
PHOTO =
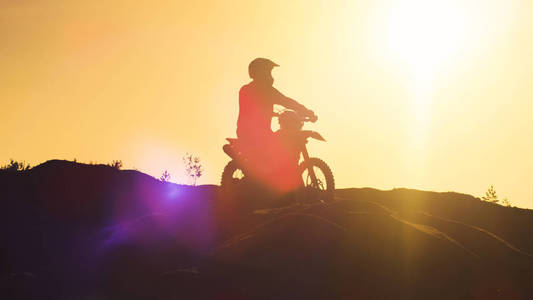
(268, 159)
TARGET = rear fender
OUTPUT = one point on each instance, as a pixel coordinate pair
(233, 149)
(228, 149)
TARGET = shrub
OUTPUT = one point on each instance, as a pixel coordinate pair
(15, 166)
(165, 177)
(117, 164)
(506, 202)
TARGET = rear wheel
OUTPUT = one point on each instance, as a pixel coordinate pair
(323, 189)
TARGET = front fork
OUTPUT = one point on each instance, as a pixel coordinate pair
(310, 169)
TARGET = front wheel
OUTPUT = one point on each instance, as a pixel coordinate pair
(318, 179)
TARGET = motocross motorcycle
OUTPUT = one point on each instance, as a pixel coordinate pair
(317, 178)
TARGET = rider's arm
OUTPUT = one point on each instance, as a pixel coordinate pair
(289, 103)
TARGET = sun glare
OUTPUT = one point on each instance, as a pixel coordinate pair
(421, 43)
(418, 39)
(422, 36)
(425, 34)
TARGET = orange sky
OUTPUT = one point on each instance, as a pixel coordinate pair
(431, 95)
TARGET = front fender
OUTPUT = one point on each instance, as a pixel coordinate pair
(313, 134)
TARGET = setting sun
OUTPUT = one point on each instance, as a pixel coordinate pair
(425, 34)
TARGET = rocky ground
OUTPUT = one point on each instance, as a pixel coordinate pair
(75, 231)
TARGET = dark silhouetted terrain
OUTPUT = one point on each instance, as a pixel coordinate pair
(76, 231)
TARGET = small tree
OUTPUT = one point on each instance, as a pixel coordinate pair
(490, 195)
(193, 167)
(117, 164)
(165, 177)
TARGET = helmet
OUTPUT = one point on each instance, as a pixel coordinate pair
(290, 120)
(260, 66)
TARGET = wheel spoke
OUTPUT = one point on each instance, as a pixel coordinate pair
(323, 187)
(320, 184)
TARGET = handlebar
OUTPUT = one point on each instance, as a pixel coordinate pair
(311, 119)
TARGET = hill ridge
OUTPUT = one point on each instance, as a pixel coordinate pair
(122, 234)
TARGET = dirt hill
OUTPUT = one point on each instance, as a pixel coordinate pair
(76, 231)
